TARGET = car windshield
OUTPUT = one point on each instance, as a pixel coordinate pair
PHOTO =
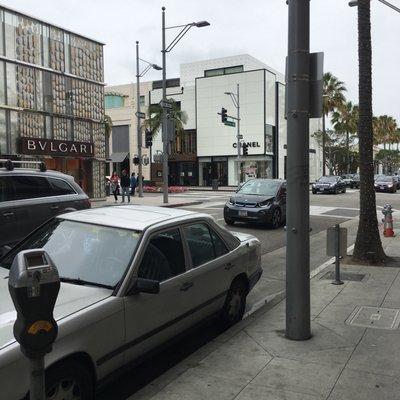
(325, 179)
(260, 187)
(384, 179)
(83, 253)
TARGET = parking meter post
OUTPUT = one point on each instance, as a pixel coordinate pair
(337, 280)
(36, 376)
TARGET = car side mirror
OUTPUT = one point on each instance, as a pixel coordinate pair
(142, 285)
(4, 250)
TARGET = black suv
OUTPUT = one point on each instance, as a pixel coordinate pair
(29, 197)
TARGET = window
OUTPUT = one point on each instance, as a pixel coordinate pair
(223, 71)
(200, 243)
(142, 101)
(113, 101)
(6, 189)
(60, 187)
(164, 257)
(219, 246)
(30, 187)
(3, 133)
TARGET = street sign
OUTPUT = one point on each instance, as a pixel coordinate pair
(141, 115)
(165, 104)
(230, 123)
(240, 137)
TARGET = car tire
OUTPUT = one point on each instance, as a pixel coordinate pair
(276, 219)
(336, 191)
(68, 379)
(229, 221)
(314, 191)
(344, 190)
(235, 303)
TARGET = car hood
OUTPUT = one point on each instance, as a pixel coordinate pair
(384, 183)
(71, 299)
(325, 183)
(246, 198)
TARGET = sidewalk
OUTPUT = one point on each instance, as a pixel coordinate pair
(353, 354)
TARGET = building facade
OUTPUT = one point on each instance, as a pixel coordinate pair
(52, 98)
(207, 149)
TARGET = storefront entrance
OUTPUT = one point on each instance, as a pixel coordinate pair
(182, 173)
(216, 169)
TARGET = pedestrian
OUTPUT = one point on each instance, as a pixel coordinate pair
(134, 183)
(125, 185)
(114, 183)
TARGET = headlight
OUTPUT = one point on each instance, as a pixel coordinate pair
(264, 204)
(390, 184)
(231, 202)
(332, 185)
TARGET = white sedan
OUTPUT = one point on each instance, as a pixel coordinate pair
(133, 277)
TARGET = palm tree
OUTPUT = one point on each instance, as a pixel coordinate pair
(368, 246)
(154, 121)
(333, 98)
(344, 120)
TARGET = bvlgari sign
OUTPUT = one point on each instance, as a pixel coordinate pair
(52, 147)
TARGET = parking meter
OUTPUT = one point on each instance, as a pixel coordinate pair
(34, 284)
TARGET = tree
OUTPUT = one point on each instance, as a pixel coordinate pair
(155, 117)
(333, 98)
(344, 120)
(368, 246)
(390, 160)
(385, 128)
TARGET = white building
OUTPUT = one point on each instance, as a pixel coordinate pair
(207, 149)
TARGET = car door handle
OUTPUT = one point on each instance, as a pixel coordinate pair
(8, 214)
(55, 207)
(228, 266)
(186, 286)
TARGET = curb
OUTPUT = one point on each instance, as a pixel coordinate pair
(192, 203)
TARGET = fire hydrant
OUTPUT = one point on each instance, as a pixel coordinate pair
(387, 221)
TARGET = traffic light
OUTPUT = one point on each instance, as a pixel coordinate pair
(149, 138)
(136, 160)
(224, 115)
(245, 149)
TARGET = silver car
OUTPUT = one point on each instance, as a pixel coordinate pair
(133, 277)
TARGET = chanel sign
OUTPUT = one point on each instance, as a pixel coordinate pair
(51, 147)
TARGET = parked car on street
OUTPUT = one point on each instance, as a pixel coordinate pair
(386, 184)
(132, 278)
(397, 180)
(349, 180)
(258, 200)
(329, 184)
(29, 197)
(356, 181)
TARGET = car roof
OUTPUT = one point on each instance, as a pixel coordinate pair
(29, 171)
(135, 217)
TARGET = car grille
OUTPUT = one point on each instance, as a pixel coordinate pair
(249, 205)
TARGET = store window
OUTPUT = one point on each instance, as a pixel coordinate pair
(45, 46)
(3, 132)
(2, 83)
(251, 169)
(1, 33)
(10, 22)
(223, 71)
(14, 132)
(114, 101)
(11, 85)
(269, 138)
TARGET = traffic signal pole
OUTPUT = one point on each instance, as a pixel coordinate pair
(238, 132)
(139, 133)
(297, 214)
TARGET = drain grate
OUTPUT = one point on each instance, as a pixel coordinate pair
(345, 276)
(375, 317)
(345, 212)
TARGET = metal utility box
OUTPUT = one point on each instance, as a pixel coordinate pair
(332, 244)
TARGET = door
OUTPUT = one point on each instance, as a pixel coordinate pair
(212, 268)
(64, 196)
(152, 319)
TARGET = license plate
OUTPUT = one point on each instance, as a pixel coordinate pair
(242, 213)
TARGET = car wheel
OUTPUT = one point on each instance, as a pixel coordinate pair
(69, 380)
(229, 221)
(235, 303)
(314, 191)
(344, 190)
(276, 219)
(336, 190)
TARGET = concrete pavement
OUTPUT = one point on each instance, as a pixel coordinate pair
(354, 352)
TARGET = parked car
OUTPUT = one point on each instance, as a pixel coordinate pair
(356, 181)
(258, 200)
(132, 278)
(348, 179)
(329, 184)
(29, 197)
(386, 184)
(397, 180)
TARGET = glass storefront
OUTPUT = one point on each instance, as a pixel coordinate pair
(257, 167)
(213, 168)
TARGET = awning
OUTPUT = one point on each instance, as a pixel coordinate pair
(118, 157)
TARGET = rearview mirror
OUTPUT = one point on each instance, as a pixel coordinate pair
(145, 286)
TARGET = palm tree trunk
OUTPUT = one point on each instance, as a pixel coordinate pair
(368, 246)
(323, 145)
(348, 151)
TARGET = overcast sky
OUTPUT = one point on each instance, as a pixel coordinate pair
(256, 27)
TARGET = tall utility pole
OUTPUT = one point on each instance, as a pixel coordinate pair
(298, 213)
(139, 132)
(164, 114)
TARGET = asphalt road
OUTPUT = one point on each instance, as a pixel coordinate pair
(341, 207)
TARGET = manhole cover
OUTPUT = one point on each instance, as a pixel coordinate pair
(345, 212)
(375, 317)
(344, 276)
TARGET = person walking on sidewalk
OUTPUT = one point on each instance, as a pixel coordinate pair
(134, 183)
(125, 185)
(114, 182)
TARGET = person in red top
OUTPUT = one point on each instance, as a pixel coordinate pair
(114, 183)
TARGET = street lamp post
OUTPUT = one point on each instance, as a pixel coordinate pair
(166, 49)
(138, 113)
(236, 102)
